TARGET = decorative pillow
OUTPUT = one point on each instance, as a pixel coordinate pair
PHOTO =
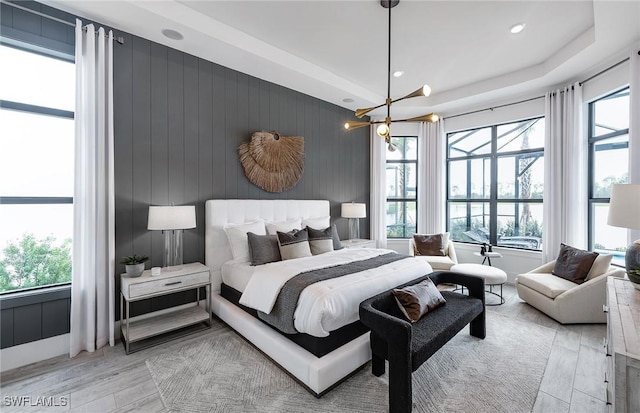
(600, 266)
(320, 241)
(418, 299)
(263, 248)
(237, 235)
(316, 223)
(429, 244)
(283, 226)
(574, 264)
(294, 244)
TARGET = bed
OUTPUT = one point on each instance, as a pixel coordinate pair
(318, 360)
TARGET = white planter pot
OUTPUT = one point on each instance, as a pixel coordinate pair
(134, 270)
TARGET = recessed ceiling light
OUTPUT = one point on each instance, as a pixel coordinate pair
(398, 73)
(172, 34)
(517, 28)
(347, 100)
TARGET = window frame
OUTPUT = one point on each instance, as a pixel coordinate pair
(493, 200)
(592, 142)
(36, 110)
(404, 200)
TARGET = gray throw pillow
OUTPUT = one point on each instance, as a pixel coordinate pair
(294, 244)
(320, 241)
(429, 245)
(263, 248)
(418, 299)
(337, 244)
(574, 264)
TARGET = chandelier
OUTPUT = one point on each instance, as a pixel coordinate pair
(383, 129)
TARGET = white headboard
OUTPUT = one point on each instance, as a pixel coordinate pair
(219, 212)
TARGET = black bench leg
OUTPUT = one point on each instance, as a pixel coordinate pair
(477, 327)
(400, 389)
(377, 365)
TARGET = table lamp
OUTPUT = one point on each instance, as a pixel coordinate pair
(171, 220)
(354, 212)
(624, 211)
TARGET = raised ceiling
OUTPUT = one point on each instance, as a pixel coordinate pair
(337, 50)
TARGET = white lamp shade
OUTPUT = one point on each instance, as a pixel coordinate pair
(171, 217)
(353, 210)
(624, 207)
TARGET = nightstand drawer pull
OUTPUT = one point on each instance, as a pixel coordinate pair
(173, 283)
(605, 308)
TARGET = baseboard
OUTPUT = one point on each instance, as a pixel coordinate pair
(23, 354)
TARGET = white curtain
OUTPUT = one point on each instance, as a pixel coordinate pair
(378, 219)
(634, 127)
(431, 178)
(92, 283)
(565, 172)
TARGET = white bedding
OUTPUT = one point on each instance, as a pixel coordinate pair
(236, 274)
(328, 305)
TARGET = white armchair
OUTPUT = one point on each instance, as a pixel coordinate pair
(564, 300)
(438, 262)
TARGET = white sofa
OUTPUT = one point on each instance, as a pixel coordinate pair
(564, 300)
(438, 262)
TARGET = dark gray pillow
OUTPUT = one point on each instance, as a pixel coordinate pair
(574, 264)
(320, 241)
(294, 244)
(430, 245)
(418, 299)
(263, 248)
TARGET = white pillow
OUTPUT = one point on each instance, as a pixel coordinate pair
(238, 240)
(317, 223)
(283, 226)
(599, 266)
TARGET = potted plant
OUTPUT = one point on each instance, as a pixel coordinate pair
(634, 277)
(134, 264)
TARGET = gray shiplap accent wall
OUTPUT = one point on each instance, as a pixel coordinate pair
(178, 123)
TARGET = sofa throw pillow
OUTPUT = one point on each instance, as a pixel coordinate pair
(294, 244)
(263, 249)
(418, 299)
(600, 266)
(320, 241)
(429, 244)
(574, 264)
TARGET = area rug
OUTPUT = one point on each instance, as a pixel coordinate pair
(501, 373)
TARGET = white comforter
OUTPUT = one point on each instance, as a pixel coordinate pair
(328, 305)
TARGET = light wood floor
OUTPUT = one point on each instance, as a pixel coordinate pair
(110, 381)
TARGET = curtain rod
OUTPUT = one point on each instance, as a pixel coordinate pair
(119, 39)
(540, 97)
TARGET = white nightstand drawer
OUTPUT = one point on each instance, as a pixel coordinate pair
(167, 284)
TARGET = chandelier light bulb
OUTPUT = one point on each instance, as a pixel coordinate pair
(383, 131)
(346, 125)
(426, 90)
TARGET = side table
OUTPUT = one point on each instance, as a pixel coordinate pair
(155, 324)
(359, 243)
(487, 256)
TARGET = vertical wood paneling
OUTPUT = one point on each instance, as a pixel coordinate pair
(23, 319)
(175, 74)
(55, 320)
(191, 150)
(205, 145)
(219, 158)
(6, 328)
(230, 132)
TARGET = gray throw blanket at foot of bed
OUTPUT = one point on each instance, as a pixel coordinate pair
(281, 317)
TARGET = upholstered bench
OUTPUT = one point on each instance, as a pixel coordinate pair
(405, 345)
(492, 276)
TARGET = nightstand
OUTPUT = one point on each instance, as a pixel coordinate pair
(359, 243)
(150, 327)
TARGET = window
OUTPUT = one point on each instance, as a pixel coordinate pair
(37, 99)
(608, 165)
(402, 184)
(495, 180)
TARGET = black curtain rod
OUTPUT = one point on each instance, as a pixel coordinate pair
(540, 97)
(119, 39)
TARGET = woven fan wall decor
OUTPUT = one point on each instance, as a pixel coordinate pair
(272, 162)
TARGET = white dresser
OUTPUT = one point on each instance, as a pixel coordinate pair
(623, 346)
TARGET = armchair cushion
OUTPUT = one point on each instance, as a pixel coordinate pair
(574, 264)
(546, 284)
(431, 245)
(600, 266)
(417, 300)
